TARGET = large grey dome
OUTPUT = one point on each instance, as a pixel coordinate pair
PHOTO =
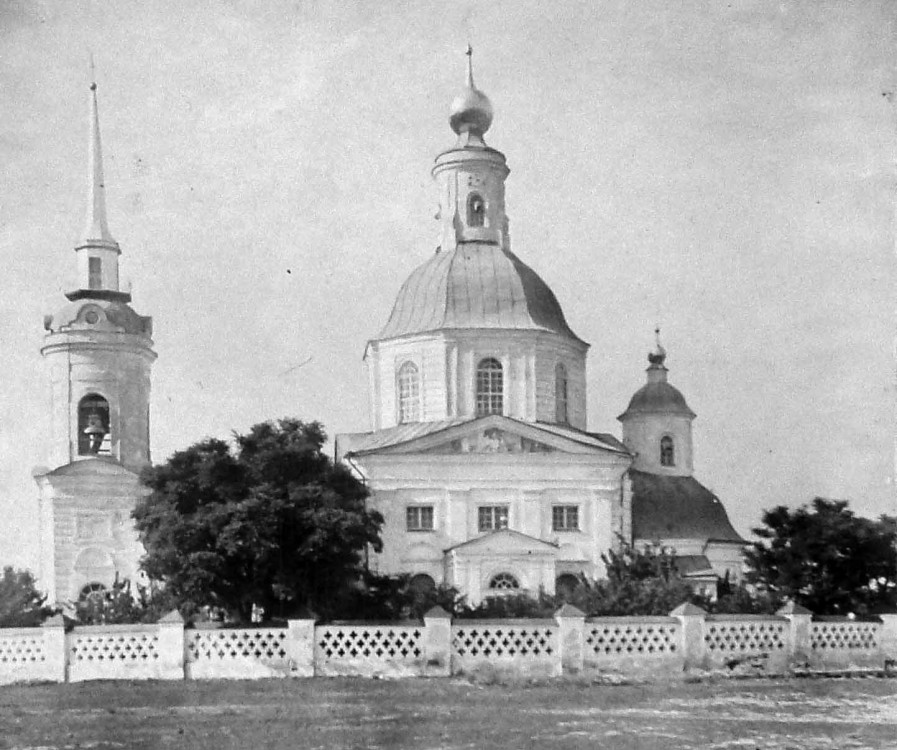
(476, 285)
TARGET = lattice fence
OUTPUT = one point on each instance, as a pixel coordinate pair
(610, 639)
(849, 635)
(745, 637)
(387, 642)
(264, 644)
(114, 649)
(22, 650)
(503, 641)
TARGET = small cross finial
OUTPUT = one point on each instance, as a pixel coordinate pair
(469, 54)
(93, 72)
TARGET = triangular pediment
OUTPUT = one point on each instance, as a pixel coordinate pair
(494, 435)
(505, 542)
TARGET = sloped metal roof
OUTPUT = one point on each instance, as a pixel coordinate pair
(353, 442)
(476, 285)
(666, 507)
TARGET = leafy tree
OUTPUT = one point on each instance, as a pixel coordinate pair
(21, 604)
(122, 604)
(379, 597)
(639, 582)
(826, 558)
(270, 521)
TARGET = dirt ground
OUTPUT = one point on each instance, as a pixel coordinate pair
(421, 714)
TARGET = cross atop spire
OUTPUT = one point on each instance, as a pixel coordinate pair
(469, 54)
(96, 229)
(657, 357)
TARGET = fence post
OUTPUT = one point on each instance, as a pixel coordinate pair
(888, 645)
(301, 647)
(799, 638)
(571, 627)
(692, 619)
(437, 643)
(171, 646)
(55, 648)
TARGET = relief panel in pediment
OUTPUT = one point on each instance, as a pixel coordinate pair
(492, 440)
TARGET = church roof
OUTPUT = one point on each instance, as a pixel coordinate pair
(671, 507)
(657, 398)
(476, 285)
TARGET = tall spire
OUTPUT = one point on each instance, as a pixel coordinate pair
(96, 229)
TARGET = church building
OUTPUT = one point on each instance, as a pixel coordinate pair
(480, 458)
(98, 352)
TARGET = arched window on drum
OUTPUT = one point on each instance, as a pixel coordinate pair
(561, 414)
(667, 451)
(409, 393)
(490, 387)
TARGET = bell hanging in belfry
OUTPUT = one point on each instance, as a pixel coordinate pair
(95, 431)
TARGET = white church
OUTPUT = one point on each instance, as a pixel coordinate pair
(479, 457)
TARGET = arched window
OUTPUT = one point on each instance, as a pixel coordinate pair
(667, 455)
(93, 593)
(560, 394)
(93, 426)
(421, 584)
(409, 393)
(504, 582)
(476, 210)
(490, 385)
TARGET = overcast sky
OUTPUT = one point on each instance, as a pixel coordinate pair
(724, 170)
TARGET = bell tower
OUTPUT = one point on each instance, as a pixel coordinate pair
(471, 175)
(98, 353)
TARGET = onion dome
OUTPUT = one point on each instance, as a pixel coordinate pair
(476, 285)
(471, 110)
(657, 396)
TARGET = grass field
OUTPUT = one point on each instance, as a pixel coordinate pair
(421, 714)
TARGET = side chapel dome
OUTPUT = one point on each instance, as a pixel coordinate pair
(657, 396)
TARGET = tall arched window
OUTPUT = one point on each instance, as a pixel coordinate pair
(93, 426)
(476, 210)
(667, 455)
(560, 394)
(490, 386)
(409, 393)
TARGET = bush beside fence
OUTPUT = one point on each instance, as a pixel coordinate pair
(568, 644)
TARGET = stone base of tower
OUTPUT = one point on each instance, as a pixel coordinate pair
(87, 536)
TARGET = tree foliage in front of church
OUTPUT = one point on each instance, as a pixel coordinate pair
(21, 604)
(269, 521)
(826, 558)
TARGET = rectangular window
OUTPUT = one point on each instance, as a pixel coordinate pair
(492, 517)
(94, 273)
(565, 517)
(419, 517)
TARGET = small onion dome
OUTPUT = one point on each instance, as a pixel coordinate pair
(657, 398)
(471, 109)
